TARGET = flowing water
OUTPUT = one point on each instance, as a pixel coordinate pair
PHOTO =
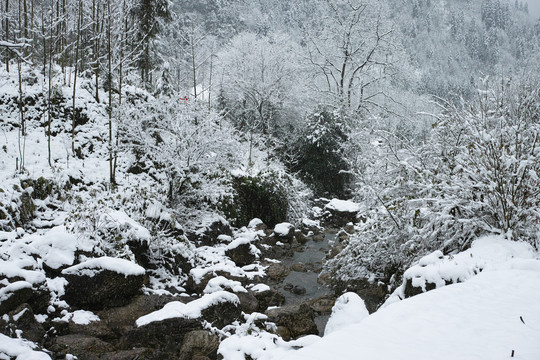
(306, 265)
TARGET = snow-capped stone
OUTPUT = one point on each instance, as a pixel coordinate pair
(102, 282)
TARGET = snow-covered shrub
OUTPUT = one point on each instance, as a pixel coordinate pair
(185, 147)
(263, 195)
(477, 174)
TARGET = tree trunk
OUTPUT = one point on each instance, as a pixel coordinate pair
(109, 79)
(79, 19)
(7, 34)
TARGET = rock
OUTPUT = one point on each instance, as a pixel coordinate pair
(97, 329)
(298, 319)
(207, 234)
(298, 290)
(373, 294)
(300, 237)
(14, 294)
(248, 302)
(411, 290)
(299, 267)
(269, 298)
(133, 354)
(23, 319)
(141, 251)
(343, 235)
(318, 237)
(339, 213)
(257, 225)
(96, 288)
(199, 343)
(288, 286)
(284, 232)
(222, 314)
(349, 228)
(120, 320)
(277, 271)
(82, 346)
(335, 250)
(166, 336)
(322, 305)
(26, 209)
(241, 254)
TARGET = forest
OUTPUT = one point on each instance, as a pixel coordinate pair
(238, 179)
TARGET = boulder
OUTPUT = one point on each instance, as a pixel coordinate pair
(208, 233)
(199, 343)
(277, 271)
(14, 294)
(297, 319)
(102, 283)
(373, 293)
(241, 254)
(82, 346)
(166, 336)
(133, 354)
(284, 232)
(221, 314)
(122, 319)
(339, 213)
(268, 298)
(322, 305)
(22, 318)
(248, 302)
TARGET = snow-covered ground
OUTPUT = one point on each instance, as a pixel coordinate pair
(492, 315)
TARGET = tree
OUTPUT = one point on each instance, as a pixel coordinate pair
(261, 80)
(149, 13)
(349, 50)
(318, 154)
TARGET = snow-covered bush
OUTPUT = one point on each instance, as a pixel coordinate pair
(477, 174)
(273, 196)
(185, 147)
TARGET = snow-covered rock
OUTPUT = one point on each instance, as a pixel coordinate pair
(348, 309)
(191, 310)
(102, 282)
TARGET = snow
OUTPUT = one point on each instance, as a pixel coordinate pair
(21, 349)
(191, 310)
(83, 317)
(17, 316)
(119, 219)
(7, 291)
(478, 319)
(219, 283)
(56, 247)
(348, 309)
(12, 269)
(343, 206)
(486, 254)
(249, 339)
(283, 229)
(260, 288)
(254, 223)
(94, 266)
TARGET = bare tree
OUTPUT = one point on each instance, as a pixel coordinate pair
(350, 52)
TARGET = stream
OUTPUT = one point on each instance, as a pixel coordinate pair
(306, 264)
